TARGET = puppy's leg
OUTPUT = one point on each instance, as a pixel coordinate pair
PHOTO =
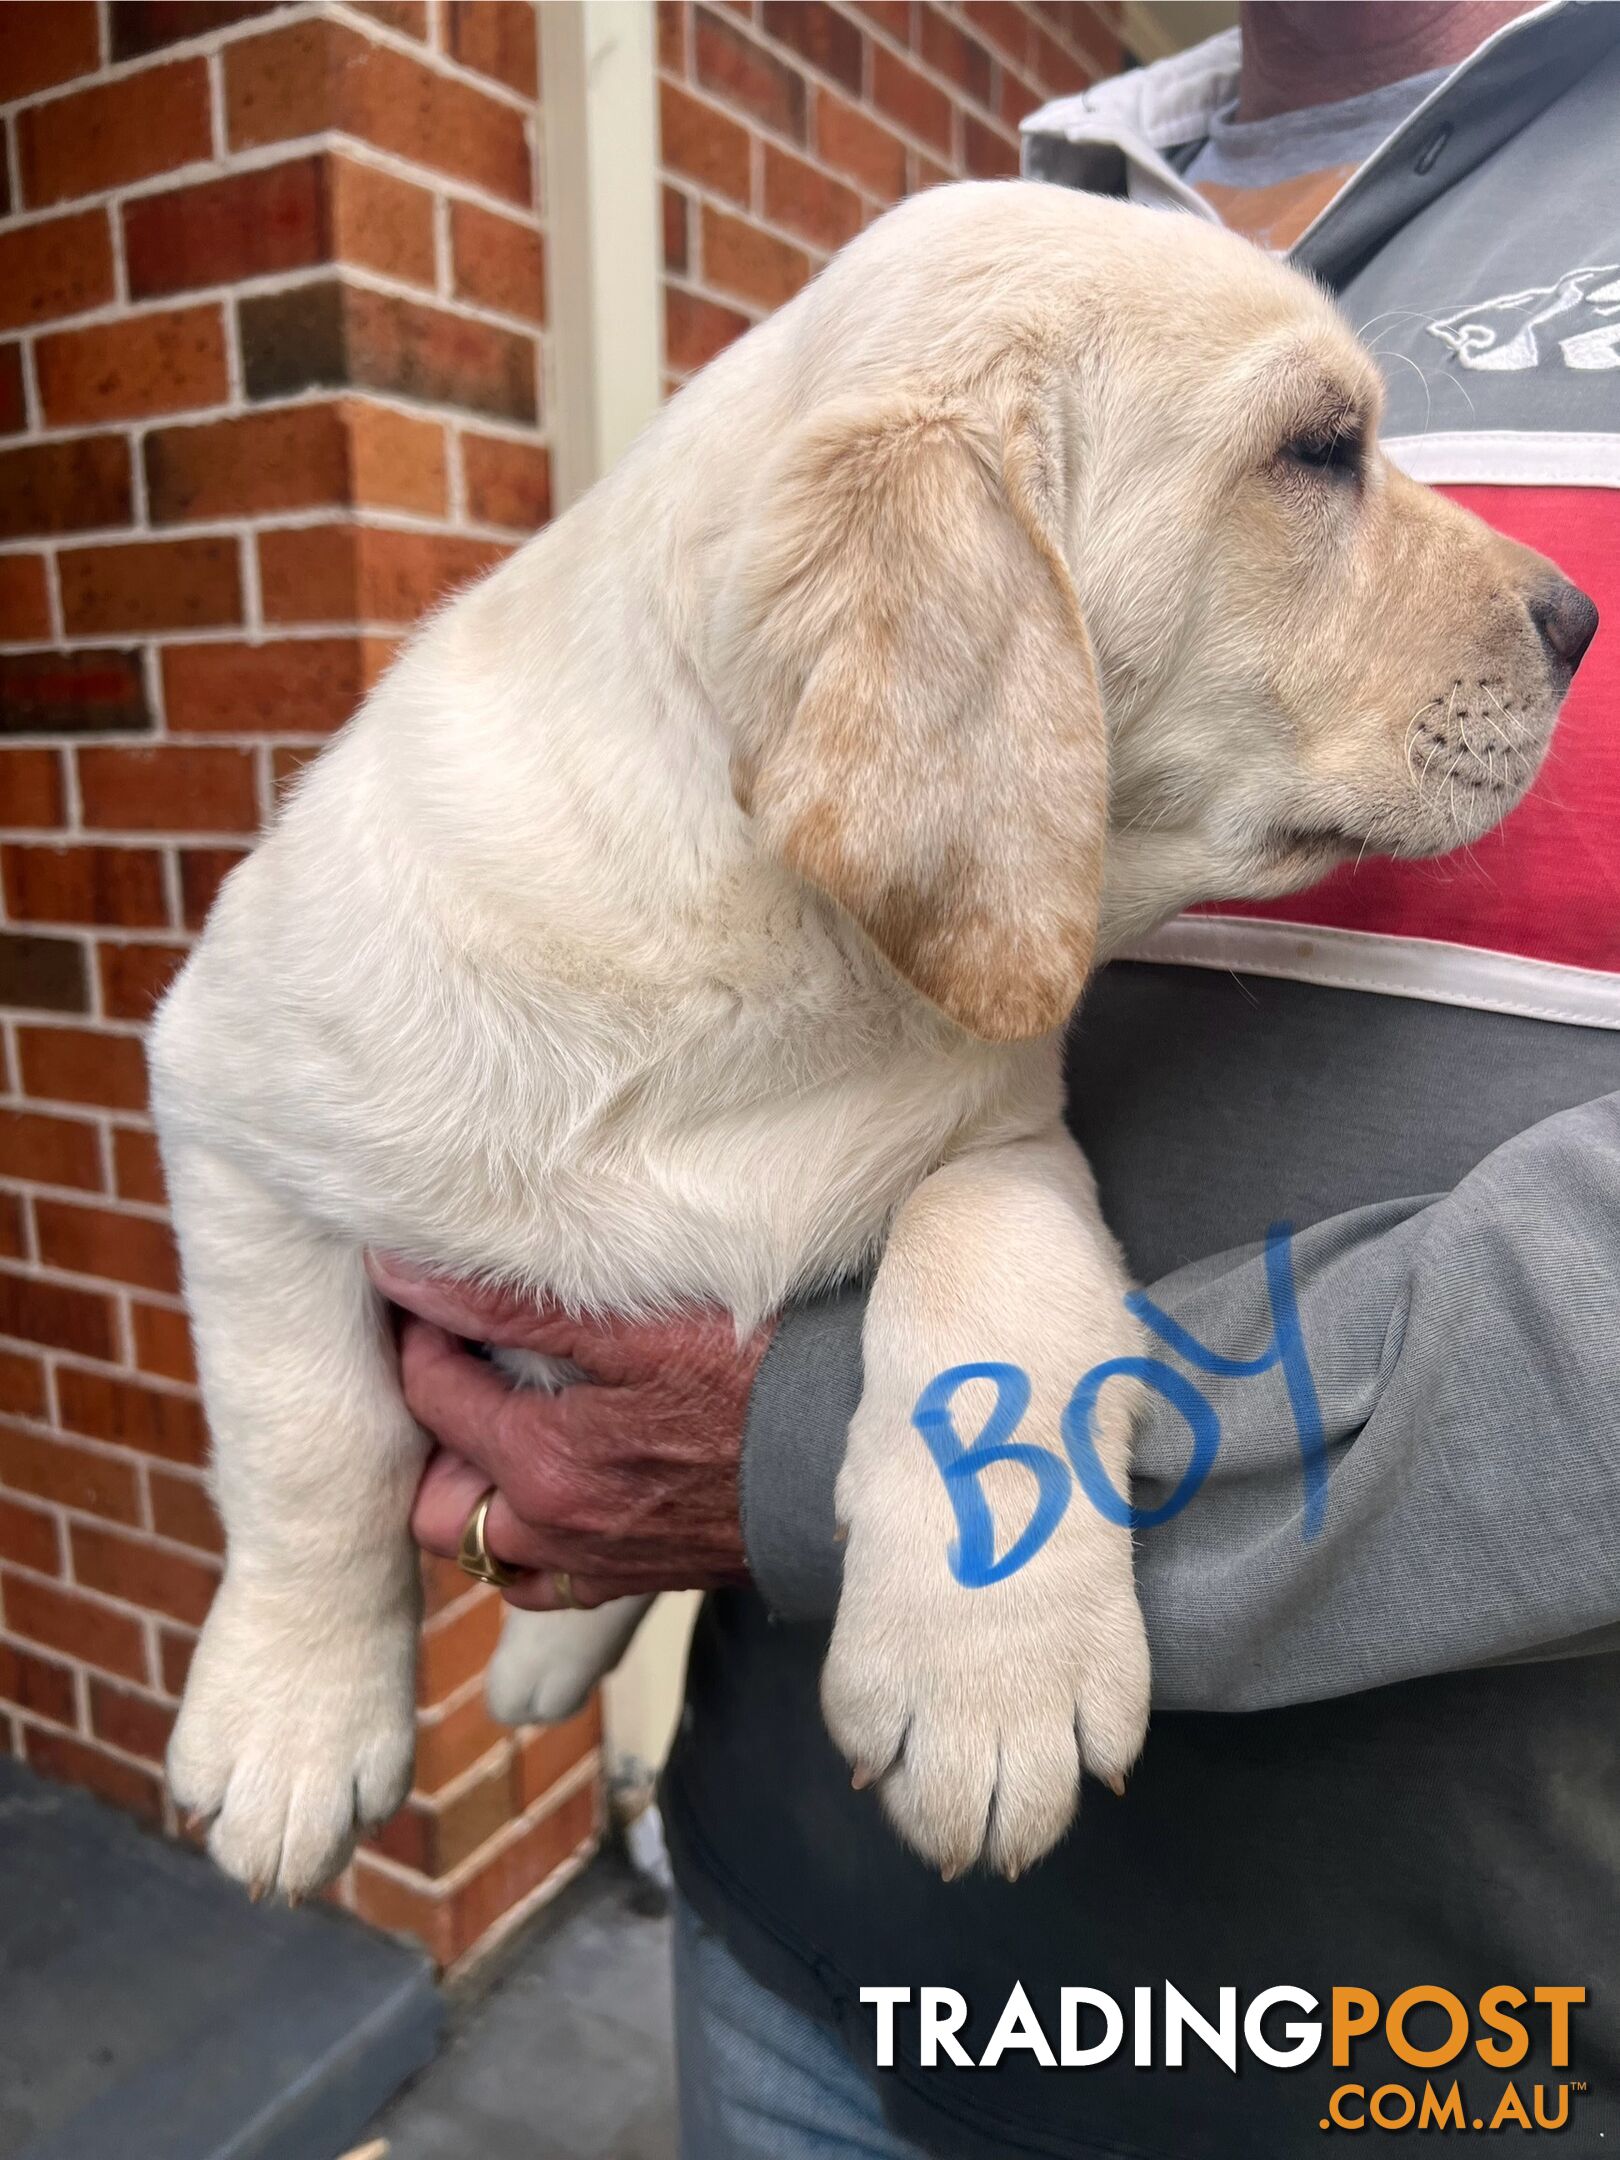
(546, 1663)
(978, 1708)
(297, 1726)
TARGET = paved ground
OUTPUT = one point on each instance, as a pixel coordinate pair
(565, 2053)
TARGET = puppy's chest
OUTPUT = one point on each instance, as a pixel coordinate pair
(734, 1156)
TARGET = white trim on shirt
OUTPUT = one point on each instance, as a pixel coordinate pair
(1507, 457)
(1393, 967)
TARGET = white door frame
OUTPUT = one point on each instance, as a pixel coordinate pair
(600, 125)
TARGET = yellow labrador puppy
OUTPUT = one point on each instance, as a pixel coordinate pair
(694, 910)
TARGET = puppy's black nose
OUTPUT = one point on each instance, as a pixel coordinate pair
(1567, 621)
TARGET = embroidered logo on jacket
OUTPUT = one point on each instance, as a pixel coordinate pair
(1516, 330)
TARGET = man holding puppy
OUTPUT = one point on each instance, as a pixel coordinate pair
(1386, 1750)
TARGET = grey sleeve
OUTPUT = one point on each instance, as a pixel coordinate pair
(1465, 1353)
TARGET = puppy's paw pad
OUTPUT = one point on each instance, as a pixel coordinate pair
(976, 1721)
(290, 1760)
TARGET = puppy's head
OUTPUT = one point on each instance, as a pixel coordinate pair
(1079, 590)
(1305, 655)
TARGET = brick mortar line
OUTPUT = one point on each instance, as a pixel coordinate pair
(727, 206)
(208, 43)
(11, 150)
(437, 1626)
(236, 396)
(51, 1103)
(100, 1597)
(745, 214)
(251, 583)
(241, 525)
(64, 1279)
(516, 1915)
(72, 796)
(17, 1016)
(438, 58)
(1060, 37)
(118, 1453)
(214, 633)
(139, 426)
(143, 1495)
(214, 62)
(139, 501)
(152, 677)
(53, 596)
(682, 281)
(30, 1242)
(202, 738)
(125, 841)
(447, 1794)
(93, 1368)
(444, 267)
(441, 1887)
(864, 99)
(104, 1128)
(143, 1534)
(249, 158)
(33, 408)
(1102, 64)
(142, 1210)
(91, 1738)
(120, 313)
(135, 1534)
(29, 1718)
(109, 70)
(455, 468)
(266, 631)
(379, 282)
(760, 35)
(436, 1713)
(753, 212)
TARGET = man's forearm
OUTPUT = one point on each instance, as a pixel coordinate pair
(804, 1395)
(1464, 1356)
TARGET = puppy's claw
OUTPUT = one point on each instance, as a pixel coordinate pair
(950, 1871)
(841, 1533)
(863, 1775)
(1115, 1781)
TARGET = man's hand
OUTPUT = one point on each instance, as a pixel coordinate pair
(625, 1480)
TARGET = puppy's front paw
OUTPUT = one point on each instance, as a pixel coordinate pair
(296, 1734)
(975, 1712)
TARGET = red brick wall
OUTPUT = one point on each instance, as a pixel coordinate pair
(272, 323)
(787, 125)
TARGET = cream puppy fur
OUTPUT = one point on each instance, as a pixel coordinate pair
(693, 911)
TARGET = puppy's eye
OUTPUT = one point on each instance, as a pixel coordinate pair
(1336, 452)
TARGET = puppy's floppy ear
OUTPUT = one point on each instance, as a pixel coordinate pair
(919, 730)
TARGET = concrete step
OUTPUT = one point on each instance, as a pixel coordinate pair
(149, 2011)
